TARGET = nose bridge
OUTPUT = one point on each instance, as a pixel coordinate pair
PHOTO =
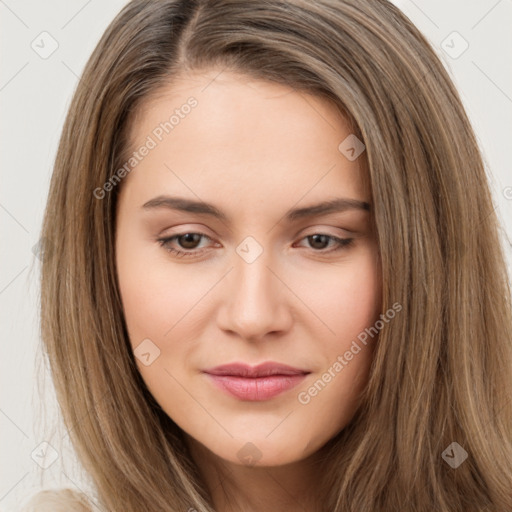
(252, 281)
(255, 302)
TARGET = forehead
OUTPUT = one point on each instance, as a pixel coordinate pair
(245, 139)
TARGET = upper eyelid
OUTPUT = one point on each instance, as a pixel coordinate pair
(315, 230)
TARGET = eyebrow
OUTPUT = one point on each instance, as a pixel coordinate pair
(200, 207)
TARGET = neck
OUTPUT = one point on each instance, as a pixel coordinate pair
(236, 487)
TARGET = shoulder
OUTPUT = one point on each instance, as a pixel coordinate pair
(57, 500)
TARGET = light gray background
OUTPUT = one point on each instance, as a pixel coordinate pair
(35, 93)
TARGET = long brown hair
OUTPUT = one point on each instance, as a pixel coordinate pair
(442, 370)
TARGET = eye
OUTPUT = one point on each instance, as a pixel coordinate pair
(189, 241)
(319, 240)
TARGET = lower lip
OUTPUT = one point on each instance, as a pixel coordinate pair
(257, 389)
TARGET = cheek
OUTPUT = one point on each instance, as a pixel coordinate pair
(347, 298)
(358, 300)
(155, 293)
(157, 301)
(331, 395)
(350, 306)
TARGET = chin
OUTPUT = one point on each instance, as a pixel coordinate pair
(261, 450)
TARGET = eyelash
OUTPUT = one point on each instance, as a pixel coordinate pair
(342, 243)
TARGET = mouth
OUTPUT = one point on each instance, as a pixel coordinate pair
(255, 383)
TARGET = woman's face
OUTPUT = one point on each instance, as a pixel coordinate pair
(232, 174)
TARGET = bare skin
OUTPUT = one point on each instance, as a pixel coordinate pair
(255, 150)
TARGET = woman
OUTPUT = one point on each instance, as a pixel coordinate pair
(207, 353)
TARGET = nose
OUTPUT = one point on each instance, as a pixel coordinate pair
(256, 300)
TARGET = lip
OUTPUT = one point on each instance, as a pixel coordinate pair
(256, 383)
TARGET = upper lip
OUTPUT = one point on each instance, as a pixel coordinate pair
(261, 370)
